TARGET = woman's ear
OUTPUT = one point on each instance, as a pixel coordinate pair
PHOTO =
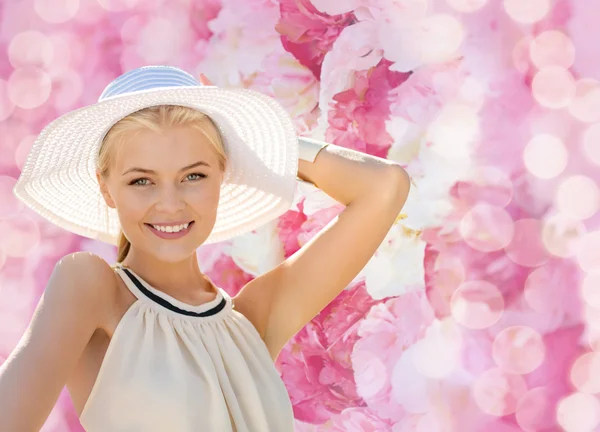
(104, 191)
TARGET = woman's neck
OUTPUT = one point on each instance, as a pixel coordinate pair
(182, 280)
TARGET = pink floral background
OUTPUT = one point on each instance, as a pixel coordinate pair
(480, 310)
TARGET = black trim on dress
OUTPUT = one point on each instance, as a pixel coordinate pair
(161, 301)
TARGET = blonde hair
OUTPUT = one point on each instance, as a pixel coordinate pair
(155, 118)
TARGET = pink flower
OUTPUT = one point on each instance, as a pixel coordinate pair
(359, 420)
(509, 102)
(493, 267)
(562, 348)
(316, 365)
(225, 274)
(316, 222)
(289, 226)
(307, 33)
(552, 376)
(422, 96)
(292, 85)
(235, 52)
(201, 14)
(357, 118)
(386, 332)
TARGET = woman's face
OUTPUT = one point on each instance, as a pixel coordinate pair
(168, 178)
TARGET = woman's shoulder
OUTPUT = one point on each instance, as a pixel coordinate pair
(86, 266)
(88, 275)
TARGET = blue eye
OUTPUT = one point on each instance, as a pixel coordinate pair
(136, 182)
(197, 174)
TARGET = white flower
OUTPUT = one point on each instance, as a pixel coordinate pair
(259, 251)
(236, 49)
(314, 199)
(431, 359)
(356, 48)
(429, 202)
(397, 266)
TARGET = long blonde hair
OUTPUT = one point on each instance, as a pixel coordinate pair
(155, 118)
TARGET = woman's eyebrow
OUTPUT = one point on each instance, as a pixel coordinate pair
(149, 171)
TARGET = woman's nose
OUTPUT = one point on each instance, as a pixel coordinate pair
(170, 201)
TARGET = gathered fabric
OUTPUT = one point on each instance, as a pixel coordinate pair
(175, 367)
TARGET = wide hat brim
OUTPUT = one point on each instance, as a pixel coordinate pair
(59, 182)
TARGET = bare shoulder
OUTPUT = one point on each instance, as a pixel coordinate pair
(81, 264)
(84, 276)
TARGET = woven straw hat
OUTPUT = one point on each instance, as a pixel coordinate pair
(59, 182)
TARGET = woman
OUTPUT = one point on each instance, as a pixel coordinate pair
(160, 165)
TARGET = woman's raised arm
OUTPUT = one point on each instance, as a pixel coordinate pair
(67, 315)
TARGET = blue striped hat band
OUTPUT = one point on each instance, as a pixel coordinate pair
(147, 78)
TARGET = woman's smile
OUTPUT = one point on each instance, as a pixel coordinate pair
(170, 232)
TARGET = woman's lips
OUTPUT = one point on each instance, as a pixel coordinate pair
(170, 235)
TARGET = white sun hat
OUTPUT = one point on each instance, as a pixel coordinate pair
(58, 180)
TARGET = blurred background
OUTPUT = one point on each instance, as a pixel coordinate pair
(481, 309)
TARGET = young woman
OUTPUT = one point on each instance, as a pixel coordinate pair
(159, 166)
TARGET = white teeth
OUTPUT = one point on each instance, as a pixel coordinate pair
(174, 228)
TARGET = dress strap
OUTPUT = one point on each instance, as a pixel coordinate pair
(144, 291)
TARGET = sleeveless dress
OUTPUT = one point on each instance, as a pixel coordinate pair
(173, 367)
